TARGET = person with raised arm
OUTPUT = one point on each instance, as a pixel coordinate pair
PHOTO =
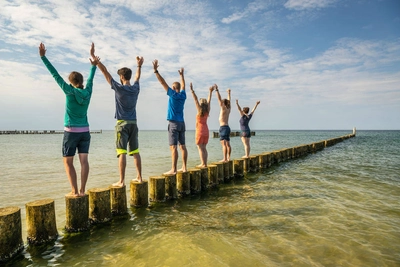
(176, 122)
(202, 133)
(224, 129)
(126, 129)
(245, 118)
(76, 126)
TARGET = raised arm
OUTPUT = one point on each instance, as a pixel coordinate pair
(182, 79)
(239, 108)
(139, 61)
(100, 65)
(105, 72)
(254, 109)
(160, 79)
(209, 96)
(196, 100)
(229, 94)
(218, 95)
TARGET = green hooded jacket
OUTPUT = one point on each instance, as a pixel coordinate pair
(77, 100)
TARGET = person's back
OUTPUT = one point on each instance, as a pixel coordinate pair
(224, 115)
(126, 97)
(176, 103)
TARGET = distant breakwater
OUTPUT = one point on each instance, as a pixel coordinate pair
(41, 132)
(232, 134)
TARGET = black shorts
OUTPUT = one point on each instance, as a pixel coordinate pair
(74, 141)
(127, 137)
(225, 133)
(176, 133)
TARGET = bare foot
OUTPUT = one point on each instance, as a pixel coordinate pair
(72, 194)
(223, 160)
(119, 184)
(82, 194)
(182, 170)
(170, 172)
(201, 166)
(245, 157)
(138, 180)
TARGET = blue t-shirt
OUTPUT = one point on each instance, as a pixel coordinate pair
(175, 105)
(126, 97)
(244, 122)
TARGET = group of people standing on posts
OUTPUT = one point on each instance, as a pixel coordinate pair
(76, 126)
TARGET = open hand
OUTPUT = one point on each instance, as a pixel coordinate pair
(42, 50)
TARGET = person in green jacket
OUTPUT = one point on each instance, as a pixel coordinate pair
(76, 126)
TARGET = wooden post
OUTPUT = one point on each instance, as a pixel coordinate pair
(11, 242)
(157, 189)
(238, 168)
(139, 196)
(230, 169)
(212, 175)
(183, 183)
(77, 213)
(41, 222)
(226, 171)
(204, 179)
(118, 200)
(195, 181)
(246, 165)
(254, 165)
(277, 155)
(170, 186)
(99, 205)
(220, 171)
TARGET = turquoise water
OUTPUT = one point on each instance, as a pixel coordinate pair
(338, 207)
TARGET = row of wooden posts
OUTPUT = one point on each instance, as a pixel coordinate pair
(102, 204)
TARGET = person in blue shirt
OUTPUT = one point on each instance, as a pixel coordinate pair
(126, 130)
(176, 122)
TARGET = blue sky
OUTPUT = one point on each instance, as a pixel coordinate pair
(313, 64)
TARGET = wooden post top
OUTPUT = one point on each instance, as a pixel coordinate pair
(39, 202)
(97, 190)
(8, 210)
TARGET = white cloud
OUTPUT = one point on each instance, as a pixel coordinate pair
(308, 4)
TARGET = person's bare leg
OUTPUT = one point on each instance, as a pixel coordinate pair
(247, 146)
(174, 159)
(138, 163)
(184, 158)
(200, 156)
(71, 174)
(83, 158)
(203, 155)
(228, 150)
(224, 150)
(122, 168)
(246, 155)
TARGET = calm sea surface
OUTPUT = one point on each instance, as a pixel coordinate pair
(338, 207)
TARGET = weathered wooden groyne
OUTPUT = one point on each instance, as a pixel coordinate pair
(40, 132)
(232, 134)
(101, 205)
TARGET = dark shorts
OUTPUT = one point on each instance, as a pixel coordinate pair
(176, 133)
(73, 141)
(224, 133)
(126, 133)
(245, 134)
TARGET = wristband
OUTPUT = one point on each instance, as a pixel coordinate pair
(156, 71)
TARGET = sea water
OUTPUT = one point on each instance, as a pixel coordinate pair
(337, 207)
